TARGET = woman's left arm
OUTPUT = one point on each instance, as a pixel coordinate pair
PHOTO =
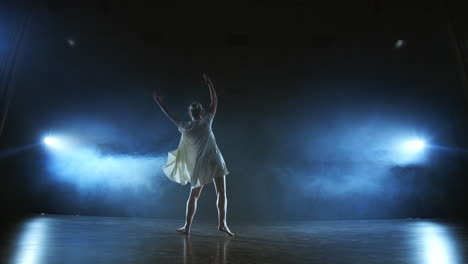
(214, 97)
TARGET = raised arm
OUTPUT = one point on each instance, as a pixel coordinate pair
(214, 98)
(158, 99)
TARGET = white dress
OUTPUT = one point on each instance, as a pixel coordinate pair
(197, 159)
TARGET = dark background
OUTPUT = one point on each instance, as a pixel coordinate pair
(312, 98)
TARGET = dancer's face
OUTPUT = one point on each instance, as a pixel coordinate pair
(196, 111)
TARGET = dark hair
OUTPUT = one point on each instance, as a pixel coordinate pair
(195, 110)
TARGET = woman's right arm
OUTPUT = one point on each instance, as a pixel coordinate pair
(158, 99)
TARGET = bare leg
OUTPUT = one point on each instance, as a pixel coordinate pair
(191, 209)
(220, 186)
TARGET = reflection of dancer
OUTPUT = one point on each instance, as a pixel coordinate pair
(197, 159)
(222, 250)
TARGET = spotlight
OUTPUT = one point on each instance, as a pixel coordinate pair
(71, 42)
(415, 145)
(410, 150)
(51, 141)
(399, 43)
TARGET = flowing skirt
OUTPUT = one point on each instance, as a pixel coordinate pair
(196, 161)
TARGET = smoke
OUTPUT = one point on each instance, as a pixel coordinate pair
(333, 180)
(101, 182)
(107, 158)
(346, 155)
(88, 167)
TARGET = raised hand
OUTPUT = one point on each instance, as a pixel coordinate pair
(207, 80)
(214, 98)
(157, 97)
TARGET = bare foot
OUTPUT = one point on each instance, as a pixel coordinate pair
(183, 230)
(226, 230)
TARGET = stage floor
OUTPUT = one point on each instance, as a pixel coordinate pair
(82, 239)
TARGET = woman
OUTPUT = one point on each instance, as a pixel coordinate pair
(197, 159)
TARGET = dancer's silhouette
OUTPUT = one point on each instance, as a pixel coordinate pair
(197, 159)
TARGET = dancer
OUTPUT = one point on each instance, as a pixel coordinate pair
(197, 159)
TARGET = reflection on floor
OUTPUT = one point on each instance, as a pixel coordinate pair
(79, 239)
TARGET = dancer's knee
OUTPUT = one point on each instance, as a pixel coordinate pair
(221, 198)
(195, 193)
(193, 198)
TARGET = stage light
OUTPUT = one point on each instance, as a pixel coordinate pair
(399, 43)
(51, 141)
(415, 145)
(71, 42)
(409, 150)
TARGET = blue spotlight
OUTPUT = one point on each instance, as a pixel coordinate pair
(415, 145)
(51, 141)
(409, 150)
